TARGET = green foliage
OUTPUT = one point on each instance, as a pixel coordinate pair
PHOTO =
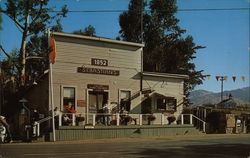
(165, 49)
(88, 31)
(33, 18)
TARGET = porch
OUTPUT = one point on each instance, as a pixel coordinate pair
(140, 125)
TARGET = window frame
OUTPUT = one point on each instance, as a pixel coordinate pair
(119, 97)
(62, 95)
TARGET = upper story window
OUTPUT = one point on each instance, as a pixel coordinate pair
(69, 98)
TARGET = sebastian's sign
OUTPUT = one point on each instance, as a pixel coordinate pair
(98, 71)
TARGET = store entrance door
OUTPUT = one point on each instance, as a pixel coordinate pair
(96, 101)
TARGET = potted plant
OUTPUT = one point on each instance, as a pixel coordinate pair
(127, 119)
(151, 118)
(79, 119)
(171, 119)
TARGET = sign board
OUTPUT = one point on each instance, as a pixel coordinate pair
(81, 103)
(98, 87)
(98, 71)
(99, 62)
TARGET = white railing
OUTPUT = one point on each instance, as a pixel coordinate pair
(36, 127)
(110, 119)
(83, 119)
(191, 120)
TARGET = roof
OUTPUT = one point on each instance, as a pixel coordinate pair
(98, 39)
(165, 75)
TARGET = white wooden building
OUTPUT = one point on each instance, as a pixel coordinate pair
(90, 71)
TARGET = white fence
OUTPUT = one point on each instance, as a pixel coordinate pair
(83, 119)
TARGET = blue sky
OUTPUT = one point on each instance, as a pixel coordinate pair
(225, 33)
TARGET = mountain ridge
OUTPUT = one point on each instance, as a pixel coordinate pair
(241, 96)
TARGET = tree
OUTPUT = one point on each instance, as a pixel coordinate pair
(88, 31)
(166, 50)
(33, 17)
(1, 20)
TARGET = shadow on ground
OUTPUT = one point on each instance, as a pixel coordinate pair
(201, 151)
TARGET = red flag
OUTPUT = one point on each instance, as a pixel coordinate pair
(52, 53)
(243, 78)
(234, 78)
(217, 77)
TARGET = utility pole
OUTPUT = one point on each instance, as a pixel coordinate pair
(221, 78)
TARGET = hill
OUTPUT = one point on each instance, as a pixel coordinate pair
(240, 96)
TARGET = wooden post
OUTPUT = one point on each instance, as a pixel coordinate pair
(182, 119)
(117, 119)
(204, 127)
(93, 119)
(60, 119)
(191, 119)
(73, 119)
(38, 129)
(140, 119)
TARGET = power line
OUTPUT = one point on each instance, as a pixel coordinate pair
(180, 10)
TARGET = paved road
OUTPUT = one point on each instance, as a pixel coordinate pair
(209, 146)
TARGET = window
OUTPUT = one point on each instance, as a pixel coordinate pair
(166, 104)
(69, 98)
(125, 100)
(161, 104)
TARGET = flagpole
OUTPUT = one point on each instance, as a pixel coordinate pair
(51, 94)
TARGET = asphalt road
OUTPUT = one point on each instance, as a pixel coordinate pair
(208, 146)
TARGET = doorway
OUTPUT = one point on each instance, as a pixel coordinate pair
(96, 101)
(146, 107)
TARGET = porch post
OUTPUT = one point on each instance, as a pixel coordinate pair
(93, 119)
(117, 119)
(204, 127)
(140, 119)
(73, 119)
(60, 119)
(182, 119)
(191, 119)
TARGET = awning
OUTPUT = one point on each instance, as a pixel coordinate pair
(159, 95)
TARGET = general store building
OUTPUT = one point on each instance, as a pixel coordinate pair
(90, 71)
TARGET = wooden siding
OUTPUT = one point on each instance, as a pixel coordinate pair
(73, 53)
(77, 133)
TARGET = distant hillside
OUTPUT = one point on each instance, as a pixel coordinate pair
(200, 97)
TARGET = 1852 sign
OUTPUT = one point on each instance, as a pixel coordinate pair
(99, 62)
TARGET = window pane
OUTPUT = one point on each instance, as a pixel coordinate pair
(69, 92)
(69, 98)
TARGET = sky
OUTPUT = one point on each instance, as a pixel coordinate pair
(224, 33)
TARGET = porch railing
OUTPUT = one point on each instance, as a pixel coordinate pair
(194, 120)
(83, 119)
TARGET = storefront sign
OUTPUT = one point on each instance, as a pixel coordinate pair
(98, 87)
(81, 103)
(99, 62)
(98, 71)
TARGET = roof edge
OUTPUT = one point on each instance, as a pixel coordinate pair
(165, 75)
(97, 39)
